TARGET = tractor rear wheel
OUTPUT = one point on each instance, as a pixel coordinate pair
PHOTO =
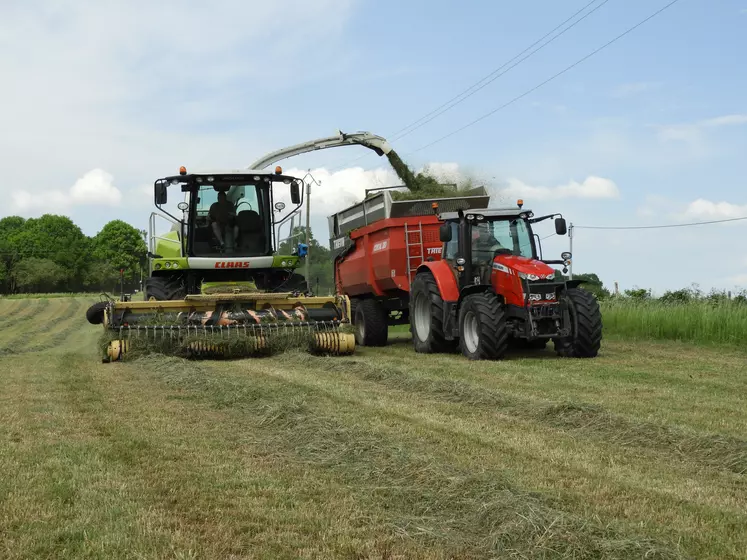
(370, 320)
(483, 333)
(164, 288)
(426, 316)
(586, 326)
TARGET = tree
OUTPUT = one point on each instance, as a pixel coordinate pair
(57, 239)
(10, 226)
(39, 275)
(119, 246)
(593, 284)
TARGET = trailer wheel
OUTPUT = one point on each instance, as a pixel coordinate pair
(426, 316)
(483, 333)
(371, 328)
(163, 288)
(95, 313)
(586, 326)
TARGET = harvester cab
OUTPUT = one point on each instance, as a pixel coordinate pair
(492, 289)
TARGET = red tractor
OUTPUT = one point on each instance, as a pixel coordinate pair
(466, 277)
(490, 288)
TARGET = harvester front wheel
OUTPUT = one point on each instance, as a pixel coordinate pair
(483, 333)
(163, 288)
(370, 319)
(586, 326)
(426, 316)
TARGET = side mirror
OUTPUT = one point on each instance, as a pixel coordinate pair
(444, 233)
(160, 193)
(295, 193)
(560, 227)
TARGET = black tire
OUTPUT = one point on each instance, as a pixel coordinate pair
(483, 333)
(164, 288)
(586, 326)
(430, 337)
(371, 328)
(95, 313)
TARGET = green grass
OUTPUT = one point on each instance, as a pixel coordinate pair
(58, 295)
(699, 321)
(639, 453)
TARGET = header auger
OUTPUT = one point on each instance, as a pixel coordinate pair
(217, 286)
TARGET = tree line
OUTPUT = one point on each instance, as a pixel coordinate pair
(52, 254)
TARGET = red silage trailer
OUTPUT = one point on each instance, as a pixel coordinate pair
(377, 246)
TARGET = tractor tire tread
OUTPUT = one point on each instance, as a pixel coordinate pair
(436, 341)
(494, 339)
(163, 288)
(588, 322)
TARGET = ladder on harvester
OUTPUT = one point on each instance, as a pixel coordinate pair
(411, 245)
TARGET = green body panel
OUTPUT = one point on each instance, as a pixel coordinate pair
(168, 245)
(160, 264)
(290, 261)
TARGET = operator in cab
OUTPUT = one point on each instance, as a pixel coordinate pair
(222, 215)
(484, 243)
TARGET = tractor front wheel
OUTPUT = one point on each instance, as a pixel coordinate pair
(163, 288)
(426, 316)
(586, 326)
(370, 320)
(483, 334)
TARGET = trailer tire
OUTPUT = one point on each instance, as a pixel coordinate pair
(371, 328)
(586, 326)
(426, 316)
(163, 288)
(483, 332)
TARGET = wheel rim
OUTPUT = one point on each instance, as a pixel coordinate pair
(470, 331)
(422, 316)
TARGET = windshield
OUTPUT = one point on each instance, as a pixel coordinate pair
(232, 221)
(514, 235)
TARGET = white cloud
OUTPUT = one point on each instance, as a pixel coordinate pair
(628, 90)
(592, 187)
(709, 210)
(95, 188)
(726, 120)
(160, 89)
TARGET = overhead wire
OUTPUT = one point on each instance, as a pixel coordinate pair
(491, 77)
(548, 80)
(663, 225)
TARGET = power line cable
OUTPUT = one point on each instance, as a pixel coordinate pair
(491, 77)
(548, 80)
(494, 77)
(663, 225)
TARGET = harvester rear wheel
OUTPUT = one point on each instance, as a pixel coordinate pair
(483, 333)
(586, 326)
(163, 288)
(426, 316)
(370, 319)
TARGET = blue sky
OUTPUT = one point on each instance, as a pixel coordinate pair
(99, 99)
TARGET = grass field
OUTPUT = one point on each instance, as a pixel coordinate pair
(640, 453)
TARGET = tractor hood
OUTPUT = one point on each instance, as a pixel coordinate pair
(524, 265)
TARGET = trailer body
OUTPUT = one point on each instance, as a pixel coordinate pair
(377, 246)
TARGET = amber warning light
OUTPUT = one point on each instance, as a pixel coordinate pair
(278, 170)
(182, 170)
(520, 202)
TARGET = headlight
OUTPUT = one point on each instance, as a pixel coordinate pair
(284, 263)
(533, 277)
(176, 265)
(168, 265)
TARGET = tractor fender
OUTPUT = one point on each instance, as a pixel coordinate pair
(476, 289)
(445, 279)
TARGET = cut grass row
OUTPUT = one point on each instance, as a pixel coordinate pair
(385, 454)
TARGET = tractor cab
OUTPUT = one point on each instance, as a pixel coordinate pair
(482, 242)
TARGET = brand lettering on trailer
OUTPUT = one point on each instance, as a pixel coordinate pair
(434, 250)
(233, 264)
(380, 246)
